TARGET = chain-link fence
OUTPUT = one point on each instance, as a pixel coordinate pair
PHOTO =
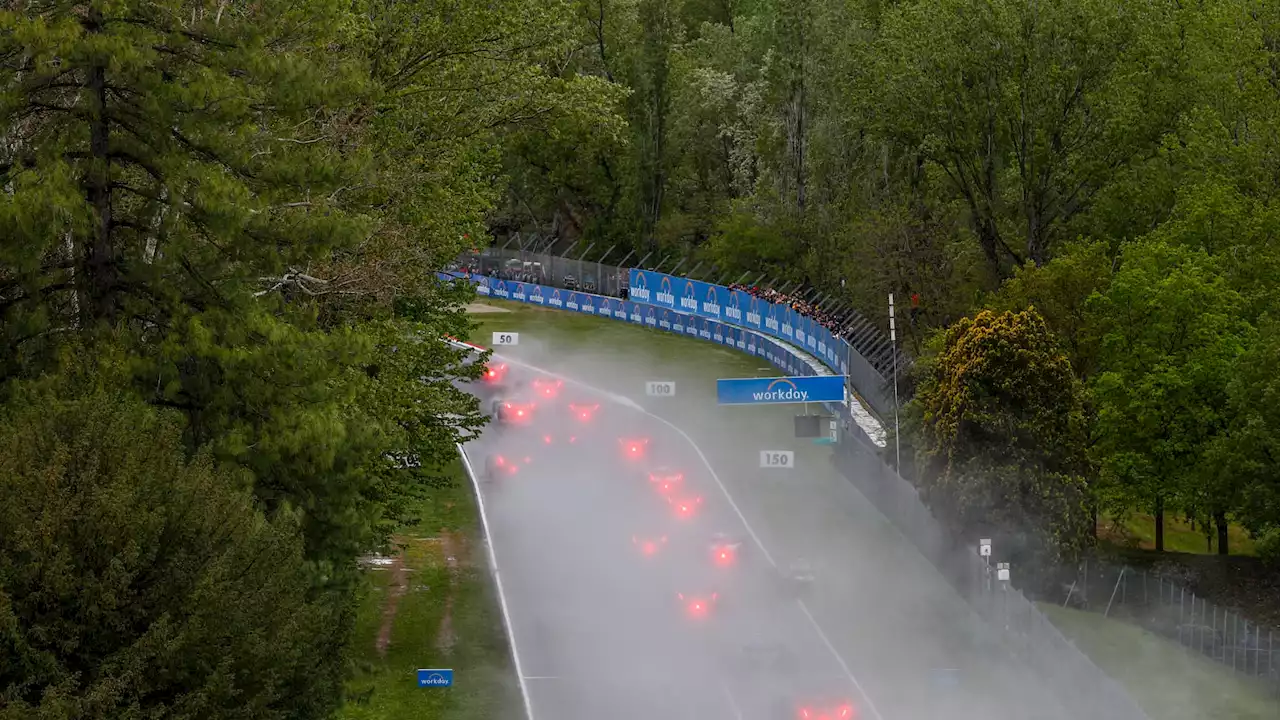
(1081, 686)
(1157, 603)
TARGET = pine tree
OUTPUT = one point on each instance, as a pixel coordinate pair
(160, 159)
(135, 583)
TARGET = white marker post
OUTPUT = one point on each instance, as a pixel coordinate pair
(660, 388)
(984, 551)
(506, 338)
(893, 339)
(777, 459)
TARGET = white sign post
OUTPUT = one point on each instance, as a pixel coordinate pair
(660, 388)
(780, 459)
(984, 547)
(506, 338)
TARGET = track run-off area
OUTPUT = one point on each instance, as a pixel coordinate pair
(615, 605)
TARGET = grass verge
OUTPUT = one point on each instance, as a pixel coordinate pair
(1139, 530)
(435, 606)
(1166, 680)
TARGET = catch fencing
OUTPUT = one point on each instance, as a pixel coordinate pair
(1009, 617)
(1165, 607)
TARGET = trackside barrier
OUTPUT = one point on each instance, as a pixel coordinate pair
(777, 354)
(863, 354)
(777, 320)
(1082, 687)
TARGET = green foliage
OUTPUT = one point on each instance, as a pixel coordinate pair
(999, 416)
(137, 582)
(1060, 291)
(239, 211)
(1268, 547)
(1248, 454)
(1171, 332)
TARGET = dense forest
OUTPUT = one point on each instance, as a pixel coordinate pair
(1100, 176)
(220, 223)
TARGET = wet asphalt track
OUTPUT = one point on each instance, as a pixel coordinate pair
(601, 629)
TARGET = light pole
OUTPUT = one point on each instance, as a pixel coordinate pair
(893, 339)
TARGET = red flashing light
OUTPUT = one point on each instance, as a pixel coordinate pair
(634, 448)
(548, 388)
(686, 507)
(649, 546)
(724, 555)
(494, 373)
(583, 413)
(699, 606)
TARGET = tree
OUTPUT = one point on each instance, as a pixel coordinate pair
(999, 421)
(1027, 109)
(1060, 291)
(1171, 331)
(164, 160)
(138, 582)
(1249, 454)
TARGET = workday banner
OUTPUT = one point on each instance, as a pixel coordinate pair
(734, 307)
(773, 391)
(646, 315)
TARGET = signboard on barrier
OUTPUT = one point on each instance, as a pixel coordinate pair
(776, 391)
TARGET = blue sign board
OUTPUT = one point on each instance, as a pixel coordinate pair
(435, 678)
(735, 307)
(774, 391)
(731, 334)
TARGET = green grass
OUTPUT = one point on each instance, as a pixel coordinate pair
(385, 687)
(1139, 530)
(1169, 682)
(615, 352)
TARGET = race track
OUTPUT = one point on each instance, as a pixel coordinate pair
(599, 624)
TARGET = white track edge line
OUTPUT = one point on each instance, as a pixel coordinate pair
(628, 402)
(497, 580)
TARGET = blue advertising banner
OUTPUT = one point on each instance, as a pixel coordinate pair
(773, 391)
(729, 334)
(734, 307)
(435, 678)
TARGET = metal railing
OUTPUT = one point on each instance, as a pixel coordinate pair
(1159, 604)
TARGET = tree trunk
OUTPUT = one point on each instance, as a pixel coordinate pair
(100, 278)
(1159, 518)
(1220, 519)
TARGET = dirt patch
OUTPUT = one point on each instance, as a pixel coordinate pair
(396, 589)
(452, 546)
(481, 308)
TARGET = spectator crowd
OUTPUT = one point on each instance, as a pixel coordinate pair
(839, 323)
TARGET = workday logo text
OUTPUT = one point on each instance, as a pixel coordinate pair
(639, 289)
(664, 293)
(688, 301)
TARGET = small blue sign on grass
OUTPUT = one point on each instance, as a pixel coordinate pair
(435, 678)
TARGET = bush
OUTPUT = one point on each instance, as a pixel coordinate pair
(1268, 546)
